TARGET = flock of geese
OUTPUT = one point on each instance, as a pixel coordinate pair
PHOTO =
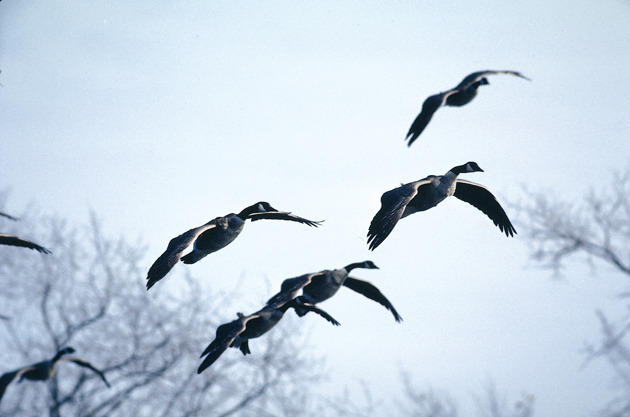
(304, 292)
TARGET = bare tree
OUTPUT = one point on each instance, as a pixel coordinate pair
(90, 294)
(429, 403)
(596, 231)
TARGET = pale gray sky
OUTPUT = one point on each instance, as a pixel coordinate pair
(163, 115)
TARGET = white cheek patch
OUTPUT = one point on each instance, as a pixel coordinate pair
(260, 207)
(468, 168)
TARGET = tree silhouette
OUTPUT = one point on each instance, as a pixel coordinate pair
(596, 231)
(90, 294)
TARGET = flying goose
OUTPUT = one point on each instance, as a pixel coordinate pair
(458, 96)
(237, 333)
(41, 371)
(430, 191)
(320, 286)
(215, 235)
(11, 240)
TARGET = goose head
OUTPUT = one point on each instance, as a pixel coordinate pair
(484, 81)
(368, 265)
(67, 350)
(364, 264)
(260, 207)
(467, 167)
(472, 167)
(263, 207)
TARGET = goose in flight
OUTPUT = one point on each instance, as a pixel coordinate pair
(427, 193)
(320, 286)
(458, 96)
(237, 333)
(41, 371)
(11, 240)
(215, 235)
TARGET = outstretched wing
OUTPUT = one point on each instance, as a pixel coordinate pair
(16, 241)
(479, 196)
(393, 205)
(226, 333)
(6, 379)
(165, 262)
(88, 365)
(311, 307)
(290, 289)
(8, 216)
(430, 106)
(370, 291)
(283, 215)
(476, 76)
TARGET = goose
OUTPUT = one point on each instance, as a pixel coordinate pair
(237, 333)
(458, 96)
(430, 191)
(320, 286)
(42, 371)
(215, 235)
(11, 240)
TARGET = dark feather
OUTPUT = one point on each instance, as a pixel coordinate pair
(370, 291)
(88, 365)
(16, 241)
(165, 262)
(393, 205)
(429, 107)
(283, 215)
(478, 196)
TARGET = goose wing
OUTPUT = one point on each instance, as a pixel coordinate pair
(165, 262)
(430, 106)
(226, 333)
(6, 379)
(476, 76)
(479, 196)
(283, 215)
(290, 289)
(393, 204)
(88, 365)
(328, 317)
(8, 216)
(370, 291)
(16, 241)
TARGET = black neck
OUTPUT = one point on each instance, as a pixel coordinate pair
(458, 169)
(58, 355)
(247, 211)
(353, 266)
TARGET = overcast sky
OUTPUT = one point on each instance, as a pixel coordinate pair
(162, 115)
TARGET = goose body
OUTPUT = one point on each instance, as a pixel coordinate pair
(213, 236)
(317, 287)
(43, 370)
(429, 192)
(237, 333)
(457, 96)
